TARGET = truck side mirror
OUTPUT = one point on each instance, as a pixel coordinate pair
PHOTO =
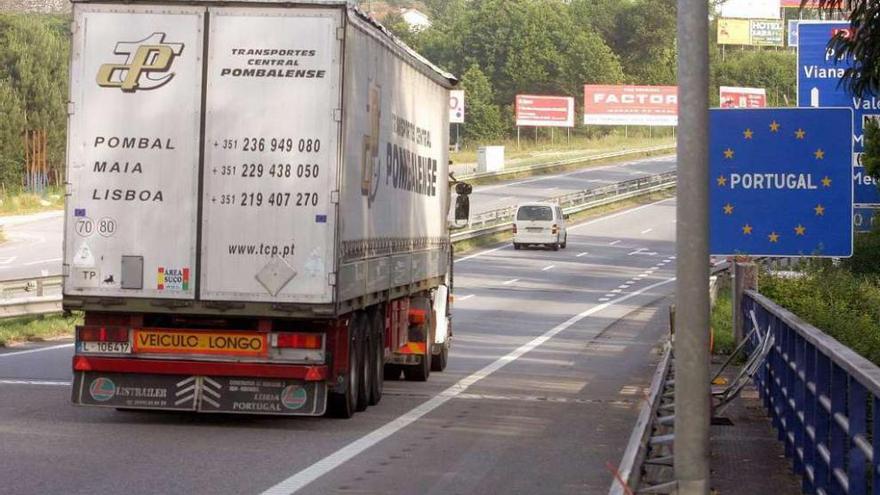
(462, 208)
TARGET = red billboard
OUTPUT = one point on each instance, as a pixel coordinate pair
(630, 105)
(544, 111)
(733, 97)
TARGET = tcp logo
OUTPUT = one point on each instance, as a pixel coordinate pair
(147, 64)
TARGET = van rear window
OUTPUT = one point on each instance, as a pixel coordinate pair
(535, 213)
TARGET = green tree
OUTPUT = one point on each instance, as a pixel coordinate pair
(483, 118)
(871, 156)
(775, 71)
(33, 86)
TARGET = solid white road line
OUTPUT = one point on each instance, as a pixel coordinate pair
(55, 383)
(472, 256)
(464, 298)
(31, 351)
(614, 243)
(548, 267)
(646, 231)
(511, 281)
(582, 254)
(303, 478)
(615, 215)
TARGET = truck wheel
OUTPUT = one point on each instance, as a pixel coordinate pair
(564, 242)
(344, 405)
(517, 246)
(438, 362)
(554, 246)
(364, 345)
(377, 357)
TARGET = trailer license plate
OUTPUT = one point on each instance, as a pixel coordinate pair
(106, 347)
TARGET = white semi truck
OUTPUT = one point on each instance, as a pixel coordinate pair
(256, 207)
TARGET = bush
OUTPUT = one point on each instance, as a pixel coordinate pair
(843, 304)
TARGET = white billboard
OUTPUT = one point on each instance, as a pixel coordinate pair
(750, 9)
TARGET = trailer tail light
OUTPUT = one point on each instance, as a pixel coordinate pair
(417, 316)
(102, 334)
(555, 229)
(514, 228)
(311, 341)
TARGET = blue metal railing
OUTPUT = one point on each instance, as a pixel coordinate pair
(823, 399)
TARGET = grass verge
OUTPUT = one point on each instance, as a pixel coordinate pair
(722, 321)
(580, 165)
(37, 328)
(24, 203)
(529, 152)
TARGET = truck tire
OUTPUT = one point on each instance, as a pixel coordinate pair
(377, 362)
(564, 241)
(517, 246)
(438, 362)
(344, 404)
(364, 344)
(555, 246)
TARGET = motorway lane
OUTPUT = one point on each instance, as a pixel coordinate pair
(545, 423)
(495, 196)
(33, 245)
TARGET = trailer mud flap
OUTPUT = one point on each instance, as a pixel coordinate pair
(200, 393)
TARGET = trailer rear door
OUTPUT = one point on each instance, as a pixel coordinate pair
(133, 151)
(271, 151)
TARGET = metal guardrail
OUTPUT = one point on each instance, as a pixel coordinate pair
(650, 444)
(501, 220)
(824, 401)
(30, 296)
(562, 163)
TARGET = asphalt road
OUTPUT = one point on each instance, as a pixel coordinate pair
(542, 187)
(33, 245)
(551, 356)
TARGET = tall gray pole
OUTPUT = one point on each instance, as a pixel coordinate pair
(692, 403)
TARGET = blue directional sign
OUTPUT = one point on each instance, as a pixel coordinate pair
(864, 218)
(781, 182)
(818, 86)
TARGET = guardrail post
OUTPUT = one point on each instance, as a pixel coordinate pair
(823, 420)
(745, 277)
(838, 435)
(875, 465)
(810, 390)
(858, 402)
(798, 409)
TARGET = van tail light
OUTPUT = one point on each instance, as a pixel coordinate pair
(514, 228)
(102, 334)
(555, 229)
(285, 340)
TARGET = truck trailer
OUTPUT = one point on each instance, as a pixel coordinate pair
(256, 211)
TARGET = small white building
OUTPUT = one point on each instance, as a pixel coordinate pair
(417, 20)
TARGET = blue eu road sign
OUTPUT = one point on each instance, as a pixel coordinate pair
(864, 218)
(819, 74)
(781, 182)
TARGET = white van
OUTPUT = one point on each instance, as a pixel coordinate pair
(539, 223)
